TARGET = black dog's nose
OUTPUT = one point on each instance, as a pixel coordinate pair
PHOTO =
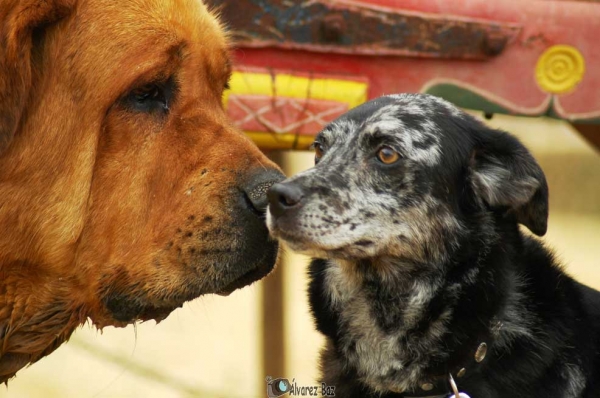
(283, 196)
(257, 186)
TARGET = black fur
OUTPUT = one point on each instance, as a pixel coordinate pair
(420, 261)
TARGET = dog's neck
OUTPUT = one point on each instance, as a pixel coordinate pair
(402, 325)
(36, 316)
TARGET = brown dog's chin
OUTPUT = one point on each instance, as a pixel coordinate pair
(262, 268)
(127, 308)
(246, 279)
(157, 313)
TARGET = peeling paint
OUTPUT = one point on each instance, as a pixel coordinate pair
(345, 28)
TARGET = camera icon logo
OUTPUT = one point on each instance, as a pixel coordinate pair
(277, 387)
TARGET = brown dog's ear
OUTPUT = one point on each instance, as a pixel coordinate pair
(505, 175)
(18, 20)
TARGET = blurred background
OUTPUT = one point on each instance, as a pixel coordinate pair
(529, 67)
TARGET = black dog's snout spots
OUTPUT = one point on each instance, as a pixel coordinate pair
(283, 197)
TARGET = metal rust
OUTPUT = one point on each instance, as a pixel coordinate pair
(338, 28)
(333, 28)
(493, 43)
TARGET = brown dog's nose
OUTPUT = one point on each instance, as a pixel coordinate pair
(257, 186)
(284, 196)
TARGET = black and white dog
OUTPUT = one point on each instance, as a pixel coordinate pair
(422, 280)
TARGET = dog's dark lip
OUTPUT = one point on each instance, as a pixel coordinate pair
(128, 309)
(247, 278)
(251, 276)
(157, 313)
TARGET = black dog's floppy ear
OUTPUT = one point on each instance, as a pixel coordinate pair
(18, 21)
(505, 175)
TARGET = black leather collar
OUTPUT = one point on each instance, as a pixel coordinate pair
(441, 386)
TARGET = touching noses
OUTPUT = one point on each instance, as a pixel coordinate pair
(257, 186)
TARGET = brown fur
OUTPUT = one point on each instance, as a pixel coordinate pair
(97, 201)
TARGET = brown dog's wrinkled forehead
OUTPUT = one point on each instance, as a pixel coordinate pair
(132, 40)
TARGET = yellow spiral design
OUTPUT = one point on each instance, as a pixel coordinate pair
(559, 69)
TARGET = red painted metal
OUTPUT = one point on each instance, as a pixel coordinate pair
(516, 34)
(281, 114)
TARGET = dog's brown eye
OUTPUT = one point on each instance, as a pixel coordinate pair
(387, 155)
(318, 151)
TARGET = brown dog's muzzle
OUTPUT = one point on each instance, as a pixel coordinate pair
(209, 253)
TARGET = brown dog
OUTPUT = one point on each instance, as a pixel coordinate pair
(124, 190)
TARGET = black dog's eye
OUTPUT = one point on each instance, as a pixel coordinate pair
(318, 147)
(387, 155)
(150, 97)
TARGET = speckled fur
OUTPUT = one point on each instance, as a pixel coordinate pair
(416, 261)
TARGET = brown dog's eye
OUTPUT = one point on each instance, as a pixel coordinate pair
(318, 151)
(387, 155)
(151, 97)
(150, 92)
